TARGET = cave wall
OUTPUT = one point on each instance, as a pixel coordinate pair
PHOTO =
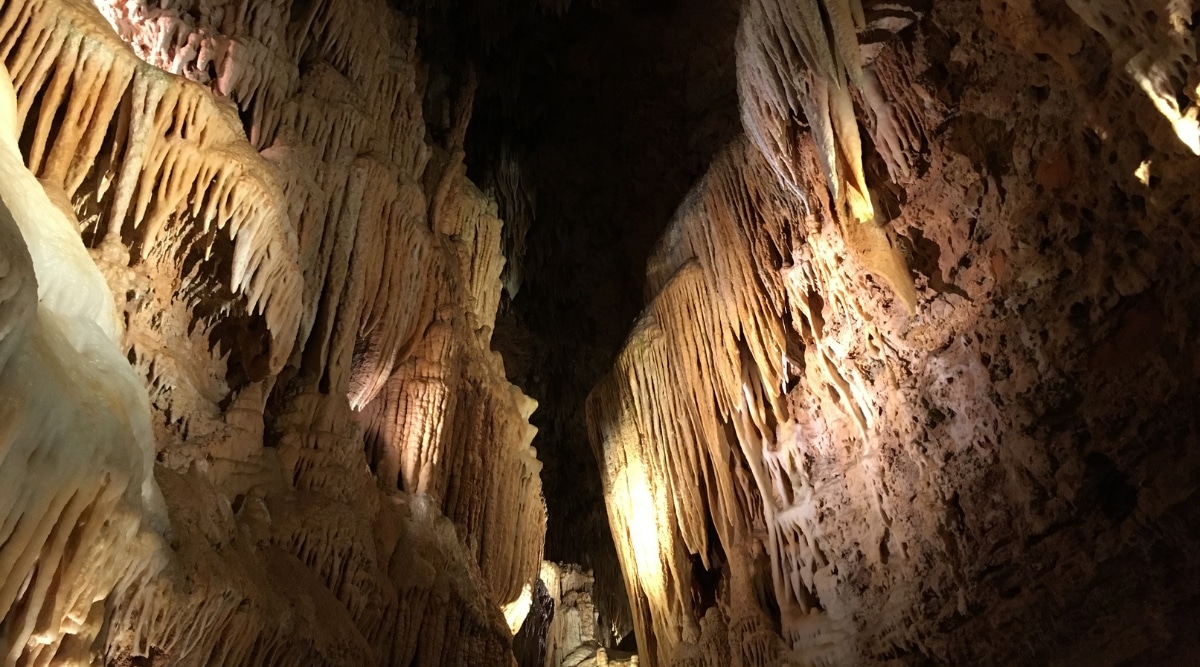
(333, 467)
(918, 387)
(914, 384)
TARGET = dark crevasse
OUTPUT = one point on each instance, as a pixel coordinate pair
(611, 113)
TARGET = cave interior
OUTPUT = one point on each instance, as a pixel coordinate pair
(599, 332)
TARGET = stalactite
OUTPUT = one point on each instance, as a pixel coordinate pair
(167, 150)
(79, 509)
(517, 207)
(806, 56)
(781, 435)
(790, 68)
(713, 346)
(267, 296)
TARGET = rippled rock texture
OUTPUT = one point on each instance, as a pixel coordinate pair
(303, 286)
(914, 381)
(955, 426)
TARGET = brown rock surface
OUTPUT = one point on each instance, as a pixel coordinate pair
(270, 288)
(913, 383)
(799, 472)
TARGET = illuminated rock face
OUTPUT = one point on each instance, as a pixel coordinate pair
(76, 450)
(915, 383)
(329, 466)
(799, 471)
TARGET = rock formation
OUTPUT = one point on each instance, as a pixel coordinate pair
(913, 381)
(284, 248)
(569, 633)
(798, 471)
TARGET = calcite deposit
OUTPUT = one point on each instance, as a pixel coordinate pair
(565, 629)
(286, 440)
(803, 464)
(913, 381)
(81, 509)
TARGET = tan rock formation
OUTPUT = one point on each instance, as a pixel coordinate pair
(75, 442)
(798, 472)
(269, 288)
(915, 381)
(572, 638)
(569, 634)
(801, 63)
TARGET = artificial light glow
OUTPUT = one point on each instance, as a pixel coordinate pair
(516, 611)
(1143, 172)
(631, 493)
(1154, 81)
(860, 206)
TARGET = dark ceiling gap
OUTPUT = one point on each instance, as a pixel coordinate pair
(614, 111)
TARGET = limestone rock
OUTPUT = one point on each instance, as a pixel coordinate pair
(290, 259)
(799, 472)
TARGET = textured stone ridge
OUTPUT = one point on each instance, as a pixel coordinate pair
(915, 382)
(307, 287)
(798, 471)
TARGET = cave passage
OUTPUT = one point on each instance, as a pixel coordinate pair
(611, 113)
(862, 333)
